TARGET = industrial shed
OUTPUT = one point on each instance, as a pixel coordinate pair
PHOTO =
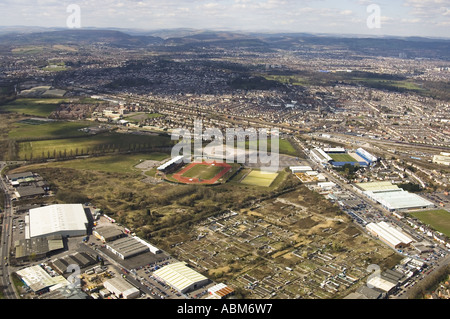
(39, 280)
(121, 288)
(67, 220)
(127, 247)
(82, 260)
(180, 277)
(107, 234)
(399, 200)
(37, 247)
(389, 235)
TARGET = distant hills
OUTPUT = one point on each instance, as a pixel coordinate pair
(190, 39)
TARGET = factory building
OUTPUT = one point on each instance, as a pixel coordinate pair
(121, 288)
(38, 280)
(389, 235)
(67, 220)
(180, 277)
(37, 248)
(393, 198)
(107, 234)
(127, 247)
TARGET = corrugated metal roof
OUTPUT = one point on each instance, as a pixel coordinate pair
(179, 276)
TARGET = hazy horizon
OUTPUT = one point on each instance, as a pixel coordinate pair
(404, 18)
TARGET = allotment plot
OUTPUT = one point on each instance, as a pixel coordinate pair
(259, 178)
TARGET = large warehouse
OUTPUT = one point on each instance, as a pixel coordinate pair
(127, 247)
(180, 277)
(393, 198)
(67, 220)
(399, 200)
(389, 235)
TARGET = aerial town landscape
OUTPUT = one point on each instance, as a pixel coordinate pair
(98, 202)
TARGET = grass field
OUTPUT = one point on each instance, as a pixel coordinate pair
(34, 107)
(39, 130)
(203, 172)
(110, 163)
(437, 219)
(259, 178)
(285, 147)
(81, 145)
(137, 117)
(342, 158)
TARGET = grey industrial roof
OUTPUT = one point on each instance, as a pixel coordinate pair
(108, 232)
(128, 246)
(25, 191)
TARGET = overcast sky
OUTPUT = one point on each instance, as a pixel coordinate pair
(397, 17)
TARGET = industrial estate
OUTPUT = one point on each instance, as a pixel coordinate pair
(97, 205)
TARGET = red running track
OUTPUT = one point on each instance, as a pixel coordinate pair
(188, 180)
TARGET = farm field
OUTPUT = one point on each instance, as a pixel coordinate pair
(437, 219)
(342, 158)
(259, 178)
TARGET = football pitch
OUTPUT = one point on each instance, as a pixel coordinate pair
(259, 178)
(203, 172)
(437, 219)
(342, 158)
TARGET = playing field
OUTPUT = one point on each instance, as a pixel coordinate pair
(437, 219)
(102, 143)
(32, 129)
(34, 107)
(202, 173)
(259, 178)
(342, 158)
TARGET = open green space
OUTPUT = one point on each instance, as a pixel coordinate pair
(203, 171)
(259, 178)
(33, 106)
(436, 219)
(33, 129)
(137, 117)
(98, 144)
(342, 158)
(285, 147)
(120, 163)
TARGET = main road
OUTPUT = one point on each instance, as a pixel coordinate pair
(7, 287)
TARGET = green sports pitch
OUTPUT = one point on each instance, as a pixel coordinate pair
(437, 219)
(203, 172)
(342, 157)
(259, 178)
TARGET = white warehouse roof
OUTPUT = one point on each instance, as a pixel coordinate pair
(62, 219)
(121, 287)
(181, 277)
(399, 200)
(389, 234)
